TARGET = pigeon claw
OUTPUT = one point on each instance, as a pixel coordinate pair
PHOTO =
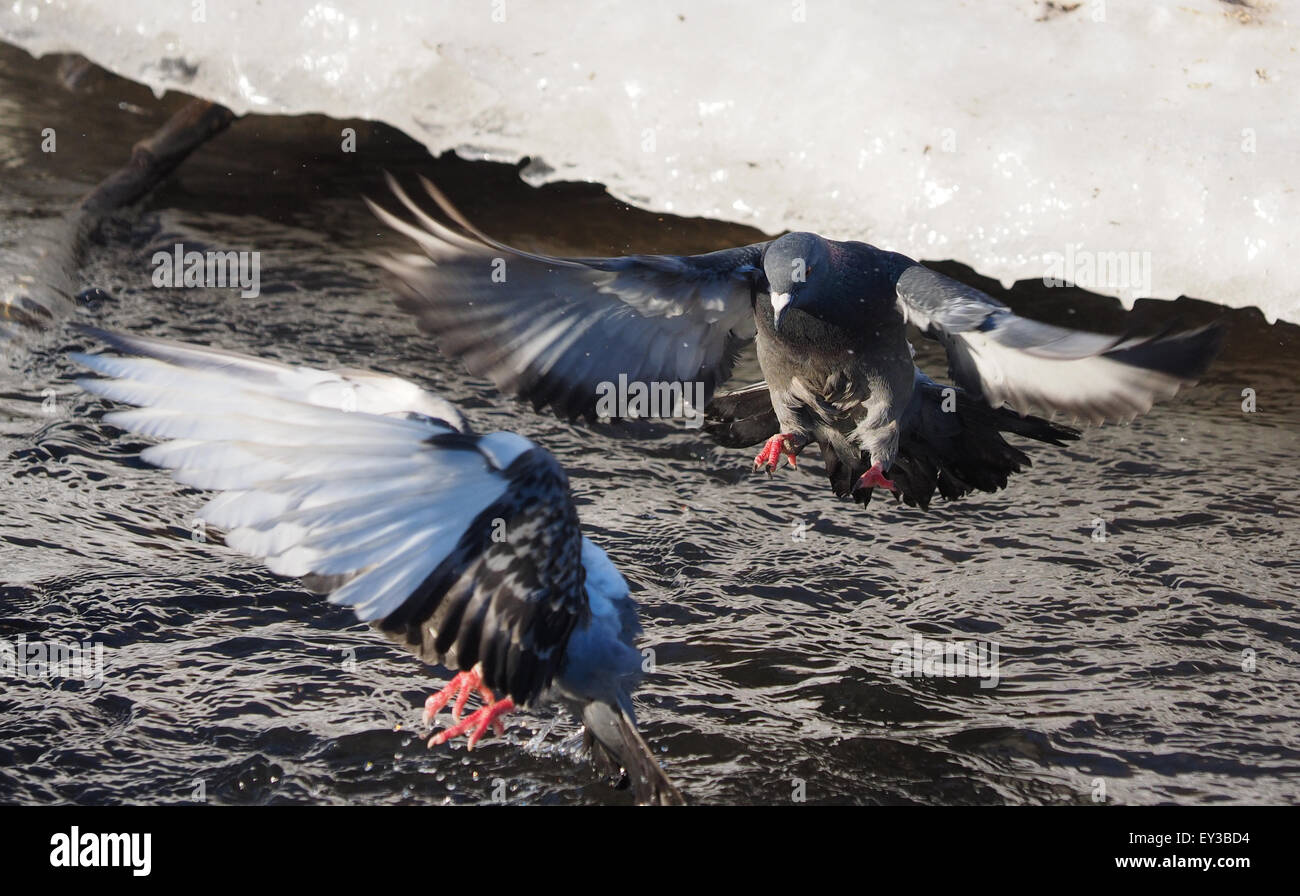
(460, 687)
(780, 445)
(489, 716)
(874, 478)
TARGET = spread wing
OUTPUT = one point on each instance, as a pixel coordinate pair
(1037, 367)
(551, 329)
(465, 548)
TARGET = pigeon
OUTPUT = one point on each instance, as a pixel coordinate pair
(464, 548)
(830, 323)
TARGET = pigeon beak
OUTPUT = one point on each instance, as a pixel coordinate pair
(779, 301)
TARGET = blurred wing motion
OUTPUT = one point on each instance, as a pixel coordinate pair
(1037, 367)
(552, 329)
(393, 514)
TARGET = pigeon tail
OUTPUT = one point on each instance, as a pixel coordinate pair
(952, 443)
(618, 751)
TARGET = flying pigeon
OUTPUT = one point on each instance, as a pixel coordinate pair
(464, 548)
(830, 323)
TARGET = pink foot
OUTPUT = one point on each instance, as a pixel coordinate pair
(874, 478)
(774, 449)
(480, 720)
(461, 686)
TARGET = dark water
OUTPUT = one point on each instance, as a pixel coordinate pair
(1121, 661)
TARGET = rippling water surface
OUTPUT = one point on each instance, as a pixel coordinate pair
(1158, 665)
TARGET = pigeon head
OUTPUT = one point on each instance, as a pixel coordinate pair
(797, 266)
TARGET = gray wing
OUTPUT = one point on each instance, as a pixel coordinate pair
(465, 548)
(551, 329)
(1036, 367)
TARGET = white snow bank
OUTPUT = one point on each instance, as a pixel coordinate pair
(1138, 148)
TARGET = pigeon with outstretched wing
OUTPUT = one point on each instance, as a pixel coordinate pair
(464, 548)
(830, 322)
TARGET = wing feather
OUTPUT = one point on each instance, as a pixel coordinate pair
(551, 329)
(1034, 367)
(465, 548)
